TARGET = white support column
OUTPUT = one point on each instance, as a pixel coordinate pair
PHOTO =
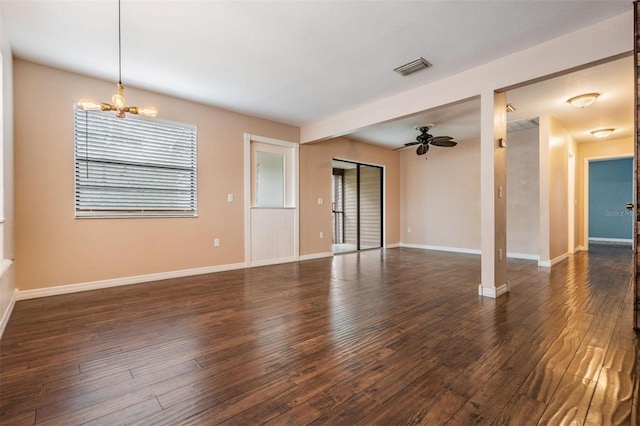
(493, 194)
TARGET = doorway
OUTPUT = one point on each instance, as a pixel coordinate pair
(610, 188)
(356, 204)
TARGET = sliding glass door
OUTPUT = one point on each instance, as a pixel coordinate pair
(356, 206)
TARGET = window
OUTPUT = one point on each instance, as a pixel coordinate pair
(133, 167)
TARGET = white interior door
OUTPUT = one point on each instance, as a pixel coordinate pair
(271, 201)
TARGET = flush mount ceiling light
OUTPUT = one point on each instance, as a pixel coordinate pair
(118, 104)
(583, 101)
(602, 133)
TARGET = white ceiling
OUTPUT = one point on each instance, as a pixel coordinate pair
(298, 62)
(613, 108)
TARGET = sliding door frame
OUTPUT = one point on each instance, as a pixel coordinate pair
(383, 203)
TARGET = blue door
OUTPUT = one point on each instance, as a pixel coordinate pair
(610, 188)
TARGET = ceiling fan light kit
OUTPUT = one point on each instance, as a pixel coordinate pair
(583, 101)
(118, 102)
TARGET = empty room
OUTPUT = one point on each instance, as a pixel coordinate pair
(310, 212)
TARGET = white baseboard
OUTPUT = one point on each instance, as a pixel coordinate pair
(493, 292)
(441, 248)
(95, 285)
(7, 313)
(550, 263)
(268, 262)
(524, 256)
(611, 240)
(559, 258)
(315, 256)
(467, 251)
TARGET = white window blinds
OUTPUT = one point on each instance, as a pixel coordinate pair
(133, 167)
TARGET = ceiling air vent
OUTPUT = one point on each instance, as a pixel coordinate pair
(413, 66)
(527, 123)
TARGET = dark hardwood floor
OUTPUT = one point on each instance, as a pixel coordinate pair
(377, 338)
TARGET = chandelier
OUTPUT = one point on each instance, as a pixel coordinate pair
(118, 103)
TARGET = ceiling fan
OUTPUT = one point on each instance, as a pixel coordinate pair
(424, 139)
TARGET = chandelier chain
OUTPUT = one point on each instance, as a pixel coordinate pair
(118, 103)
(119, 46)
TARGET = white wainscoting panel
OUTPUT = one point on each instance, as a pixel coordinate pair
(272, 234)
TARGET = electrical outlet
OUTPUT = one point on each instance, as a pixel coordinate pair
(216, 242)
(321, 234)
(408, 230)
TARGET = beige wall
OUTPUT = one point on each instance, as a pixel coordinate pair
(592, 150)
(315, 182)
(559, 143)
(441, 196)
(7, 284)
(54, 249)
(440, 199)
(572, 198)
(523, 203)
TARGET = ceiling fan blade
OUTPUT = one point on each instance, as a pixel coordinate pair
(422, 149)
(442, 138)
(444, 143)
(406, 145)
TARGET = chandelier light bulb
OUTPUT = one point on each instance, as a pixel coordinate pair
(88, 105)
(118, 102)
(118, 98)
(148, 111)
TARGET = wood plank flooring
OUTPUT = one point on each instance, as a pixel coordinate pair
(387, 337)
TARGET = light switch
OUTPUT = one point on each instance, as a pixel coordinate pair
(320, 201)
(230, 198)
